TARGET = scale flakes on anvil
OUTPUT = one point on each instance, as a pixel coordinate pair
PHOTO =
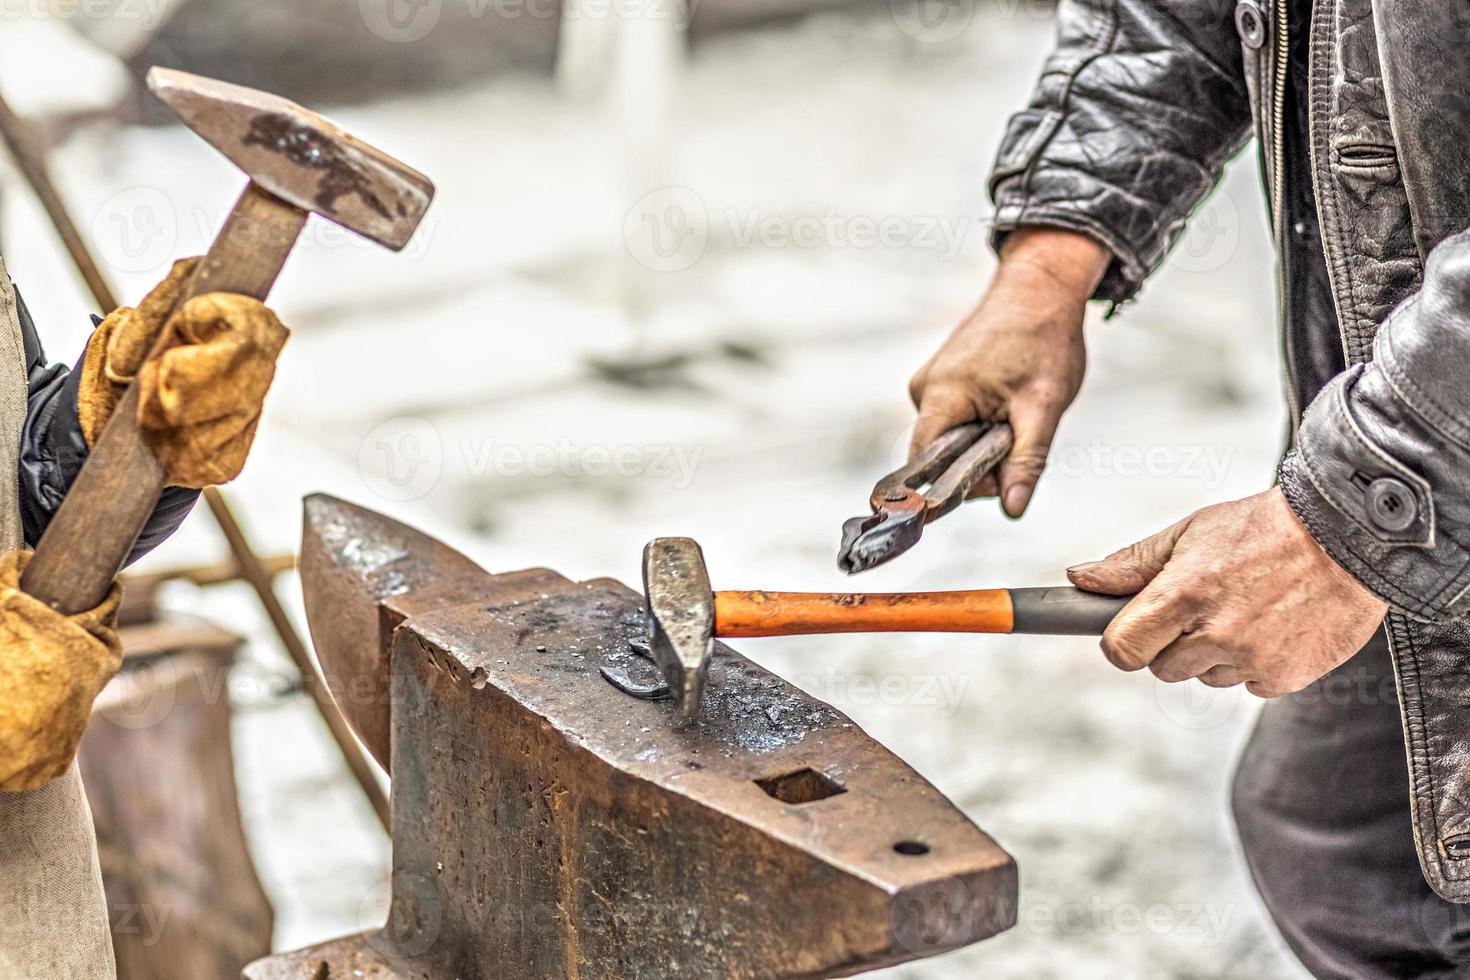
(543, 818)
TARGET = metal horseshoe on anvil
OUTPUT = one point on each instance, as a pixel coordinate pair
(544, 819)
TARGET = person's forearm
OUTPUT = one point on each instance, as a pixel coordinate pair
(1067, 260)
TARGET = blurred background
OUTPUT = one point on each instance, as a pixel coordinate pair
(683, 260)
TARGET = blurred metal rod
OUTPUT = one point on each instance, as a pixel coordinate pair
(30, 159)
(25, 149)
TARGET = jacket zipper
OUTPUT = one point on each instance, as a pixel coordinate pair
(1278, 117)
(1278, 199)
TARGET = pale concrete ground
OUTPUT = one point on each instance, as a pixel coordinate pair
(477, 385)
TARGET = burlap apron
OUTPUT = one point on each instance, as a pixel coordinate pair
(53, 916)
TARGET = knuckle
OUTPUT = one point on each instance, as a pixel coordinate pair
(1219, 678)
(1122, 652)
(1170, 672)
(1030, 461)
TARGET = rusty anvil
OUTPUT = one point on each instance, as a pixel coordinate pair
(546, 825)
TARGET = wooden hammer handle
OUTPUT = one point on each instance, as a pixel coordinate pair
(94, 530)
(1062, 611)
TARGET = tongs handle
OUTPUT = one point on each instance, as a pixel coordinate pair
(949, 467)
(953, 485)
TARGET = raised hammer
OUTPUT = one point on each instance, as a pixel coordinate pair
(299, 164)
(685, 614)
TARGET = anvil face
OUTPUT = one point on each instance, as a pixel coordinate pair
(543, 818)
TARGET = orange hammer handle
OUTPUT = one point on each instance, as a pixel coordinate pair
(796, 613)
(1060, 611)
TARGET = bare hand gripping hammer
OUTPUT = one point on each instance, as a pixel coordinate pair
(299, 164)
(685, 615)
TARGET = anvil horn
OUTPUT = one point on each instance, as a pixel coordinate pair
(361, 575)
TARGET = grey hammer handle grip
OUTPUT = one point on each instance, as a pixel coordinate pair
(1063, 611)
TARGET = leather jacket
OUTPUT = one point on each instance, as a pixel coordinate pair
(1362, 113)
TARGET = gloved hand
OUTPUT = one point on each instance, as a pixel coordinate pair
(200, 401)
(51, 670)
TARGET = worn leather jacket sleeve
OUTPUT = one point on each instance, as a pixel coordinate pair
(1380, 473)
(1136, 112)
(52, 450)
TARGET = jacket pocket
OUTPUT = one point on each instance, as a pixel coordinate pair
(1373, 161)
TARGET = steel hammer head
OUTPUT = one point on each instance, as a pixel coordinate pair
(300, 157)
(681, 616)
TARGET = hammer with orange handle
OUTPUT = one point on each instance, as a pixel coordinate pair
(685, 614)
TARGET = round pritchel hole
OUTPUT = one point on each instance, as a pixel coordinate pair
(911, 848)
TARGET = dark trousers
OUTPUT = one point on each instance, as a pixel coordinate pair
(1321, 802)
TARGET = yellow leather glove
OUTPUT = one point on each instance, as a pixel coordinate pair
(200, 401)
(51, 670)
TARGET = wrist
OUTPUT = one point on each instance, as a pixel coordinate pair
(1056, 258)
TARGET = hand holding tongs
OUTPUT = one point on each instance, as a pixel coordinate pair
(930, 486)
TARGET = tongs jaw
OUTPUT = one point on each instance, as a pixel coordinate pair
(927, 488)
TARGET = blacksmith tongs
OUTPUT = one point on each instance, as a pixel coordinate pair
(927, 488)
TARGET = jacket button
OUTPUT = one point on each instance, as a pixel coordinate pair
(1391, 505)
(1250, 21)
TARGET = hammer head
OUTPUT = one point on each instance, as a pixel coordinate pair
(300, 157)
(681, 616)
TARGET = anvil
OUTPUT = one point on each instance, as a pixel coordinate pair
(547, 825)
